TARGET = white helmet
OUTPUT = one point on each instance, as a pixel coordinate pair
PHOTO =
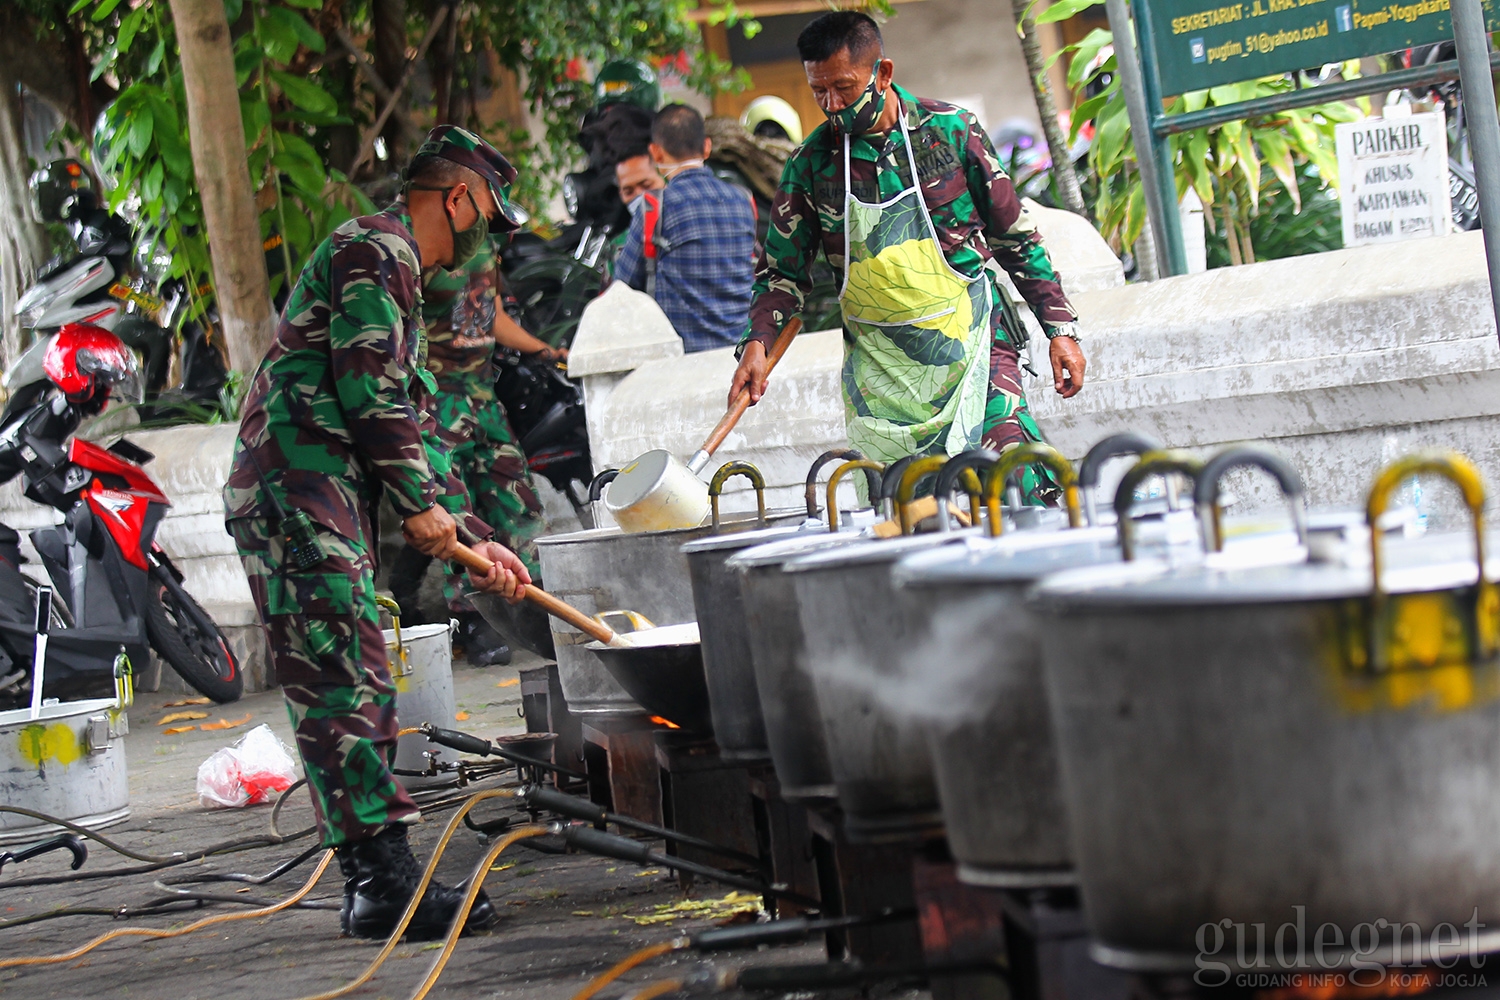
(771, 117)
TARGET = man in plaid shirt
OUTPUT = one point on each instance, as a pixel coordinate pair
(692, 245)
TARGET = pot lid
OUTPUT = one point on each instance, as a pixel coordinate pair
(758, 536)
(1257, 574)
(1019, 556)
(730, 523)
(776, 553)
(872, 551)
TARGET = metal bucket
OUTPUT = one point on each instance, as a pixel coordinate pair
(857, 634)
(739, 727)
(787, 698)
(974, 688)
(607, 569)
(68, 763)
(1311, 748)
(422, 669)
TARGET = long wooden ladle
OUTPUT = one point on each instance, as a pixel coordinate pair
(553, 606)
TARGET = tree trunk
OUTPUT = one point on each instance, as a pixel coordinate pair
(23, 243)
(1041, 90)
(218, 143)
(388, 26)
(440, 60)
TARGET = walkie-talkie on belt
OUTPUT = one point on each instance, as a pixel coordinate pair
(300, 537)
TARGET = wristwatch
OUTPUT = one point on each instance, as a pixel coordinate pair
(1069, 330)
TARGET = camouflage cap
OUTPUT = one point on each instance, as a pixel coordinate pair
(460, 146)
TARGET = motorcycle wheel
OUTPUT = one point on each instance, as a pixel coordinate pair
(202, 658)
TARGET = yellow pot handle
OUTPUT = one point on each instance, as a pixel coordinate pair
(837, 477)
(1153, 463)
(1028, 454)
(391, 606)
(728, 471)
(1462, 473)
(915, 473)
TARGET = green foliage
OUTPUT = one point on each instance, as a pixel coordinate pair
(142, 142)
(1229, 165)
(1280, 228)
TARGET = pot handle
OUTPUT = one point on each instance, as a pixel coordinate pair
(913, 474)
(638, 622)
(728, 471)
(963, 464)
(848, 455)
(1152, 463)
(872, 469)
(1023, 455)
(597, 484)
(1206, 490)
(1484, 630)
(394, 609)
(1124, 443)
(891, 478)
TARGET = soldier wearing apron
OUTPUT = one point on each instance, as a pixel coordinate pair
(907, 198)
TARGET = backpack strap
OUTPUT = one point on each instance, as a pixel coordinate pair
(649, 249)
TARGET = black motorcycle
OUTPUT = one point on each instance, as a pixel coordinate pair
(116, 589)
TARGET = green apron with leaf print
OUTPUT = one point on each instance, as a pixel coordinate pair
(916, 361)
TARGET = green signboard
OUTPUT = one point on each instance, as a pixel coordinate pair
(1204, 43)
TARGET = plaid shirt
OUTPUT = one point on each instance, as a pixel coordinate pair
(705, 239)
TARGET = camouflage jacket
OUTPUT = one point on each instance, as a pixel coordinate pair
(337, 412)
(459, 310)
(974, 208)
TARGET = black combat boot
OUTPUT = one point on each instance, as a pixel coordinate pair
(380, 876)
(483, 646)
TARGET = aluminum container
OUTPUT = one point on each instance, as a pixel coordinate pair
(607, 569)
(1283, 747)
(728, 664)
(422, 669)
(68, 763)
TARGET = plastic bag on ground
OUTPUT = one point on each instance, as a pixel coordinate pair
(247, 773)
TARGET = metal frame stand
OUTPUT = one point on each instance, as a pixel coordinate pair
(1150, 129)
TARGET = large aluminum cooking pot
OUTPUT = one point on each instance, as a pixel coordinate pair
(606, 569)
(975, 686)
(783, 684)
(1283, 747)
(739, 728)
(858, 632)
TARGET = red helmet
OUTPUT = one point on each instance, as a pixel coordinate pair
(89, 364)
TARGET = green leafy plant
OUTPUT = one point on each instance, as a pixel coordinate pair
(1228, 165)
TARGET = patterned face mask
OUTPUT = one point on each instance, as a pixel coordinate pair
(860, 115)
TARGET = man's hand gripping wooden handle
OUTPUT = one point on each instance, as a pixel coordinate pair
(745, 391)
(558, 609)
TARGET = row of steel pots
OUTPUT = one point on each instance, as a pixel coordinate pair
(1200, 721)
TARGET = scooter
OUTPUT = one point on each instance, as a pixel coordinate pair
(119, 589)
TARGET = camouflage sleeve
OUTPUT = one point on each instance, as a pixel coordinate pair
(453, 495)
(1009, 232)
(783, 278)
(372, 292)
(628, 264)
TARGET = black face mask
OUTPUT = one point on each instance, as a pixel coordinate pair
(466, 242)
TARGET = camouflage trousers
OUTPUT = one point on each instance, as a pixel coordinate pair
(1007, 421)
(328, 655)
(488, 460)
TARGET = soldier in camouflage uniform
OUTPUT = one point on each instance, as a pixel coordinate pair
(335, 418)
(931, 363)
(464, 327)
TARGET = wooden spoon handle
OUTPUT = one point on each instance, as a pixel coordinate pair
(557, 608)
(742, 401)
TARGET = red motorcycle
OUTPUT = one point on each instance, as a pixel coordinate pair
(117, 587)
